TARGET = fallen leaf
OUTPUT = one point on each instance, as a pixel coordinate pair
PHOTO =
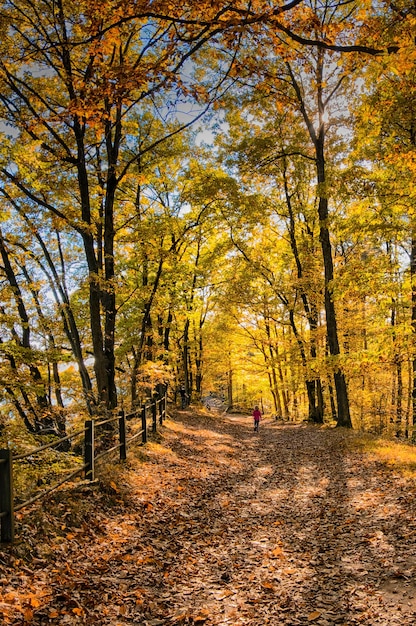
(267, 585)
(34, 602)
(201, 617)
(313, 616)
(277, 552)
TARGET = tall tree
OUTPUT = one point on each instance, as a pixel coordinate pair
(385, 143)
(71, 77)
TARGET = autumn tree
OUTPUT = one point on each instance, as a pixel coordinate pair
(81, 87)
(90, 92)
(384, 184)
(18, 348)
(268, 148)
(303, 71)
(168, 246)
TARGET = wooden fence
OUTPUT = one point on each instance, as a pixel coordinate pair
(91, 434)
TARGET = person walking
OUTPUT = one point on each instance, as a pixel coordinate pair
(256, 417)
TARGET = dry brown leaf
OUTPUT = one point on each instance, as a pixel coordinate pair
(167, 549)
(268, 585)
(34, 602)
(313, 616)
(201, 617)
(277, 553)
(28, 615)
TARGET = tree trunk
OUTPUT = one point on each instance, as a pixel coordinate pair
(60, 292)
(199, 364)
(100, 364)
(399, 404)
(108, 295)
(413, 283)
(24, 341)
(285, 394)
(343, 408)
(318, 140)
(269, 357)
(51, 340)
(312, 385)
(185, 359)
(230, 383)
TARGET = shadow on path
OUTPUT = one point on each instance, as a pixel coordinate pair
(282, 527)
(288, 526)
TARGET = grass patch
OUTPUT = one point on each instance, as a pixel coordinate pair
(398, 455)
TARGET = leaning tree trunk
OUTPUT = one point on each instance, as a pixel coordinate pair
(23, 341)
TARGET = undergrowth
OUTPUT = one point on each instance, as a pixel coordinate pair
(400, 456)
(73, 509)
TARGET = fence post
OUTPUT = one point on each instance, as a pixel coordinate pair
(6, 496)
(89, 450)
(144, 425)
(154, 413)
(122, 435)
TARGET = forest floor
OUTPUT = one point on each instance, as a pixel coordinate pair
(214, 524)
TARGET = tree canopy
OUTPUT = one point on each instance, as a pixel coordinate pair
(215, 194)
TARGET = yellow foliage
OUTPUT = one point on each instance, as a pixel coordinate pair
(400, 456)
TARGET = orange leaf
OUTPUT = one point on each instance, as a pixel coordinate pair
(11, 596)
(313, 616)
(202, 616)
(277, 552)
(267, 585)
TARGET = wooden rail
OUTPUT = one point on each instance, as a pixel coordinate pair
(91, 434)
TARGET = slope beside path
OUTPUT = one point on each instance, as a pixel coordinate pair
(219, 525)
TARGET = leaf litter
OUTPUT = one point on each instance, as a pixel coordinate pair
(218, 525)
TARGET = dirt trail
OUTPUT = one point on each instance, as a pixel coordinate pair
(227, 526)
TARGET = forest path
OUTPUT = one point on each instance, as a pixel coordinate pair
(288, 526)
